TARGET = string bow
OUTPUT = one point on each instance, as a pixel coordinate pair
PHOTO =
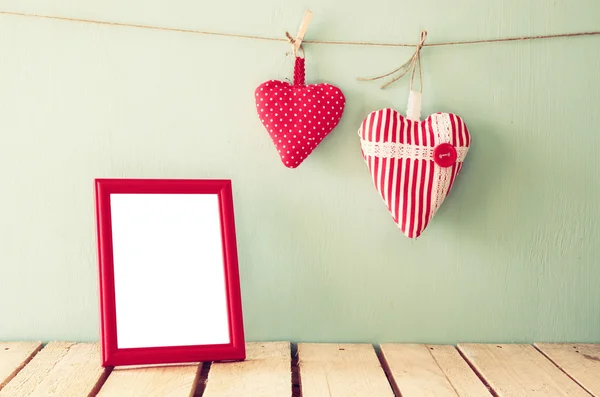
(411, 65)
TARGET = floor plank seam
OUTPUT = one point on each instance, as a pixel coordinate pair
(202, 379)
(429, 349)
(101, 382)
(12, 375)
(387, 371)
(35, 353)
(562, 370)
(295, 369)
(479, 375)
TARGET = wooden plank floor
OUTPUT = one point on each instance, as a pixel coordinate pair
(275, 369)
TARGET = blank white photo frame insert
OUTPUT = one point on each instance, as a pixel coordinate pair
(168, 264)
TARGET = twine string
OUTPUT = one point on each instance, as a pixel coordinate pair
(418, 64)
(281, 39)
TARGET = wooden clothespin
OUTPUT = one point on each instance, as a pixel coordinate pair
(302, 30)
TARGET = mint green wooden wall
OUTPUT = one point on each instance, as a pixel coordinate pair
(513, 254)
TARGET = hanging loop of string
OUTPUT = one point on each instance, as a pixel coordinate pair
(299, 62)
(418, 62)
(411, 65)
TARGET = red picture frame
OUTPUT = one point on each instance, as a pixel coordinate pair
(112, 355)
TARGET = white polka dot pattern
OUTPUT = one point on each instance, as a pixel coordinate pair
(298, 117)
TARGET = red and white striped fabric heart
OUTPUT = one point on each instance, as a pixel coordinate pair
(413, 163)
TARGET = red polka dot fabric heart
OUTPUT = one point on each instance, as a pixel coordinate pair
(413, 163)
(298, 117)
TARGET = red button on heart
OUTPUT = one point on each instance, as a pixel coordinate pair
(298, 117)
(444, 155)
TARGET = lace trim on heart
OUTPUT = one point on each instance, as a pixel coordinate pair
(393, 150)
(442, 130)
